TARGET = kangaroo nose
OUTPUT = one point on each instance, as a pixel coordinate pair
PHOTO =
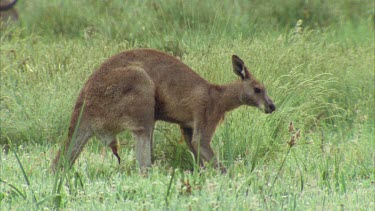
(272, 108)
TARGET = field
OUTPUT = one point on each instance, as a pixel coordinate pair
(316, 59)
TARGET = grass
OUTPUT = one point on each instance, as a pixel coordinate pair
(320, 75)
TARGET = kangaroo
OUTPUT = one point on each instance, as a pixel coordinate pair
(134, 89)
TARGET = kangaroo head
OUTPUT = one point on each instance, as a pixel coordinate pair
(253, 92)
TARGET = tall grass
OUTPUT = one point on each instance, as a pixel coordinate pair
(168, 23)
(319, 72)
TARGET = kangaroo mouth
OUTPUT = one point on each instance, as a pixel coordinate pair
(268, 109)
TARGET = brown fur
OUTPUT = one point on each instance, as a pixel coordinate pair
(133, 89)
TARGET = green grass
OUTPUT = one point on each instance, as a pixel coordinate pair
(321, 78)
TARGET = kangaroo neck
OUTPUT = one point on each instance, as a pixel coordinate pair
(229, 97)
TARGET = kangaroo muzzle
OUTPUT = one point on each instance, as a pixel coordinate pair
(269, 106)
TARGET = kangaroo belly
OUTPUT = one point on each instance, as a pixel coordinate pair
(174, 111)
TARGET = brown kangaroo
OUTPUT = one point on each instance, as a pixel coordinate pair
(135, 88)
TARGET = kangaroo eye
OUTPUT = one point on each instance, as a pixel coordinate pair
(257, 90)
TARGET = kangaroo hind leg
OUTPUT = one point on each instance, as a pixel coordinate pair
(143, 139)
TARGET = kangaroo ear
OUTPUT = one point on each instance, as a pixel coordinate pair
(239, 67)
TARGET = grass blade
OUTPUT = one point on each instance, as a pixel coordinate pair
(14, 188)
(25, 176)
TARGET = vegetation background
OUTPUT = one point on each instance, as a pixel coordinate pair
(316, 59)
